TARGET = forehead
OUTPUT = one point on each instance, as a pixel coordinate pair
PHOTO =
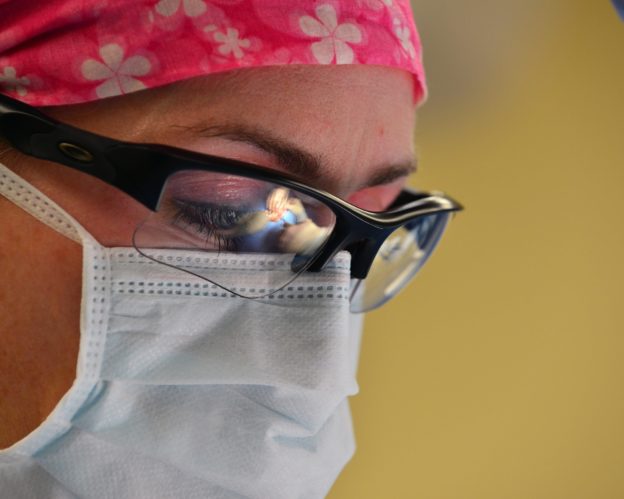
(353, 117)
(322, 97)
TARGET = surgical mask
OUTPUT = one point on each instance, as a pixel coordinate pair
(186, 391)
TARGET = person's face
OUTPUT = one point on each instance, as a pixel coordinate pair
(356, 122)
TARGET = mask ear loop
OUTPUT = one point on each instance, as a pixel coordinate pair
(25, 195)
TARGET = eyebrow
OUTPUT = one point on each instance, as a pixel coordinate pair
(295, 159)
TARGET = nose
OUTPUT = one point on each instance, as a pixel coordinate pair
(362, 255)
(362, 242)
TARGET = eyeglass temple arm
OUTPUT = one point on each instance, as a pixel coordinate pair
(38, 135)
(114, 162)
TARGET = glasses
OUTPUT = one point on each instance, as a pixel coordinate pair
(242, 216)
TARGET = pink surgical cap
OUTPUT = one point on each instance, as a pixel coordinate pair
(68, 51)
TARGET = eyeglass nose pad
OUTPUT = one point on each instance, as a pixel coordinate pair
(362, 255)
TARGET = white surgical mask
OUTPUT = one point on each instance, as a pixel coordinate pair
(185, 391)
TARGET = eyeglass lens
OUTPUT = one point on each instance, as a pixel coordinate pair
(399, 258)
(237, 224)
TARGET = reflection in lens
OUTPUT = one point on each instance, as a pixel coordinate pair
(224, 227)
(399, 258)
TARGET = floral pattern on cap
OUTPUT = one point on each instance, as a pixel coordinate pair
(70, 51)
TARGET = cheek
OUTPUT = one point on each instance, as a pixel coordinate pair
(376, 198)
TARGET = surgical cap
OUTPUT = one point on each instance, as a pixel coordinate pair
(69, 51)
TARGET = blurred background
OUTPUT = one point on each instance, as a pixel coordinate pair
(500, 373)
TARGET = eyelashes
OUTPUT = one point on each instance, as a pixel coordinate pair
(214, 223)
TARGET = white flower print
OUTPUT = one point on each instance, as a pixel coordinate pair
(11, 82)
(192, 8)
(375, 4)
(118, 74)
(231, 43)
(405, 37)
(335, 37)
(280, 56)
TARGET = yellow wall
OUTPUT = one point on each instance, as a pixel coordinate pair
(500, 373)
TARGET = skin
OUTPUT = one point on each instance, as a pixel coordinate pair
(357, 119)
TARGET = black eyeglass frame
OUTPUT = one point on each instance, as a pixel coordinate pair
(141, 171)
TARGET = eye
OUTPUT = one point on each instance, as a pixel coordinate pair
(215, 224)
